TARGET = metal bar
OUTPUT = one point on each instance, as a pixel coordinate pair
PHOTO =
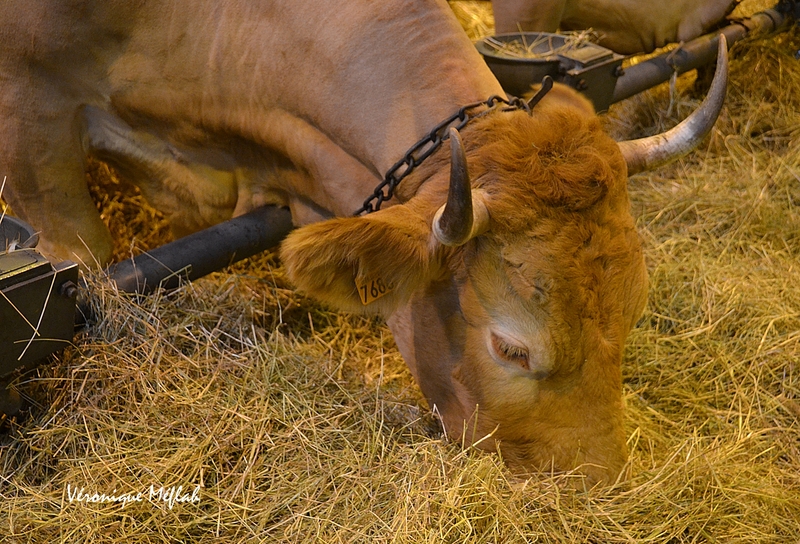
(696, 53)
(203, 252)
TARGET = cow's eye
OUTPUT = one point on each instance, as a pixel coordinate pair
(510, 352)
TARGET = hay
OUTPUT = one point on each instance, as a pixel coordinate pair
(301, 425)
(134, 224)
(475, 16)
(541, 47)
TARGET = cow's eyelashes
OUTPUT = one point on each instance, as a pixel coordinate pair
(510, 353)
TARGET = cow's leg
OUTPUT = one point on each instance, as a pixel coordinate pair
(193, 192)
(527, 15)
(43, 161)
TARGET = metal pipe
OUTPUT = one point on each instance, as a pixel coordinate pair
(203, 252)
(698, 52)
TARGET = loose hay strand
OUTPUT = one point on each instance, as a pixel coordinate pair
(300, 424)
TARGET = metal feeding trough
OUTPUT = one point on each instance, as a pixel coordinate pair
(519, 60)
(38, 296)
(37, 305)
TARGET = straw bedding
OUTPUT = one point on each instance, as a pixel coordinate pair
(299, 424)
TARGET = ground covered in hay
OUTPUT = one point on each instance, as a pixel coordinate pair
(242, 412)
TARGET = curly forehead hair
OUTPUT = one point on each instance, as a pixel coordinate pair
(557, 160)
(559, 157)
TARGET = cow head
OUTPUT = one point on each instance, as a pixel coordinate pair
(511, 288)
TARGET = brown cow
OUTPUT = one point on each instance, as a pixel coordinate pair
(511, 308)
(625, 26)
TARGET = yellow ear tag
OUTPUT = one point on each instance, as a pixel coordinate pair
(372, 290)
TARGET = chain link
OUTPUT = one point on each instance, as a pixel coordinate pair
(430, 143)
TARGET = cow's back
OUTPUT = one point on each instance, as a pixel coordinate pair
(332, 92)
(626, 26)
(631, 26)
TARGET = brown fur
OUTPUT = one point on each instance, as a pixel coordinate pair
(560, 269)
(327, 259)
(524, 323)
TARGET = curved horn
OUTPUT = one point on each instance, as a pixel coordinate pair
(460, 218)
(648, 153)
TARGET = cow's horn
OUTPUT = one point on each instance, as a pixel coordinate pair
(464, 215)
(654, 151)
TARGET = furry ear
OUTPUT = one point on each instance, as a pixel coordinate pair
(368, 264)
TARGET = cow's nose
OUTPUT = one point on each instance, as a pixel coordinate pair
(583, 476)
(589, 475)
(588, 461)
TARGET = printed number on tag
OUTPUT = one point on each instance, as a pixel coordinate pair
(372, 290)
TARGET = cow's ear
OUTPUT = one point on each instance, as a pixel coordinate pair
(368, 264)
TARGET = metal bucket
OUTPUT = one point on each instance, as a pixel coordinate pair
(516, 74)
(585, 66)
(15, 233)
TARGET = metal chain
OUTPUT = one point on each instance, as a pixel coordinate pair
(430, 143)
